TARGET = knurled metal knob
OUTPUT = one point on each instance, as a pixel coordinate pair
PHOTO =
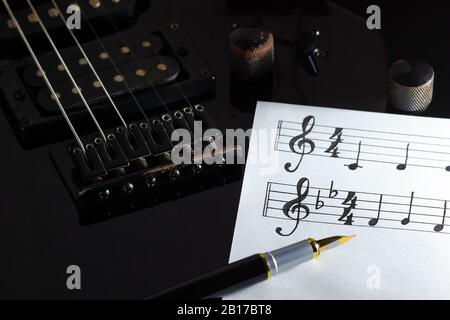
(252, 52)
(411, 85)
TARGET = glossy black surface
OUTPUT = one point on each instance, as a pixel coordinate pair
(136, 255)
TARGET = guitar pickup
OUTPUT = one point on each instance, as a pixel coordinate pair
(36, 117)
(117, 10)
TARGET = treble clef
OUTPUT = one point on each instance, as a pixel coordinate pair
(299, 142)
(295, 206)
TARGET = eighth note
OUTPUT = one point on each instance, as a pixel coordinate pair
(402, 166)
(408, 219)
(355, 165)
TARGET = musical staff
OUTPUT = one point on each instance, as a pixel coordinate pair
(400, 150)
(329, 205)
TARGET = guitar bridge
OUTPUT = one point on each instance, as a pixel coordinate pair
(134, 169)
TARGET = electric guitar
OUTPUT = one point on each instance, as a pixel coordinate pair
(91, 94)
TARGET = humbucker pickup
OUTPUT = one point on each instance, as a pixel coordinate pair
(166, 56)
(120, 11)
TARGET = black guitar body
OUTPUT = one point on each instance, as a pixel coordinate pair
(135, 223)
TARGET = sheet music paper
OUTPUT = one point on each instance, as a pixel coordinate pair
(384, 178)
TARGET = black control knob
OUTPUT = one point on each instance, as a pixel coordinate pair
(252, 52)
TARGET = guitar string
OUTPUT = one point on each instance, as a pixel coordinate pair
(41, 70)
(113, 63)
(90, 64)
(111, 21)
(134, 57)
(69, 73)
(133, 18)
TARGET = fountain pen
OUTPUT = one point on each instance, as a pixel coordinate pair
(250, 270)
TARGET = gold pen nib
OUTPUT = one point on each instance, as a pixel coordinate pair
(333, 242)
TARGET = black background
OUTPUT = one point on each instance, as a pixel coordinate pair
(139, 254)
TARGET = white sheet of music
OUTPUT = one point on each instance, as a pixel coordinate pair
(324, 172)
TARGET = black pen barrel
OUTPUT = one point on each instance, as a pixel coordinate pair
(240, 273)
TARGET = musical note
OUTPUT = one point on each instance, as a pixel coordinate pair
(334, 147)
(374, 221)
(347, 215)
(402, 166)
(408, 219)
(355, 165)
(295, 206)
(300, 141)
(440, 227)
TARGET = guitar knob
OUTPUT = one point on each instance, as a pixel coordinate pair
(411, 85)
(252, 52)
